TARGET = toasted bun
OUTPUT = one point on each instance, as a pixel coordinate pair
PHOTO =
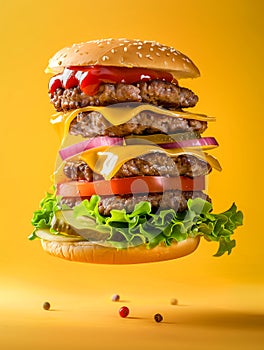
(92, 253)
(124, 53)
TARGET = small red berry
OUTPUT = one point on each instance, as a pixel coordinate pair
(124, 311)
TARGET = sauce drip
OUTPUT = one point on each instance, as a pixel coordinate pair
(89, 78)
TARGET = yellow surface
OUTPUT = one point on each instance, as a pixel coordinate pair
(221, 299)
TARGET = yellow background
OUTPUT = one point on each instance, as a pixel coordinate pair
(221, 299)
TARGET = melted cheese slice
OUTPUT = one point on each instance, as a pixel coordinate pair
(118, 114)
(106, 160)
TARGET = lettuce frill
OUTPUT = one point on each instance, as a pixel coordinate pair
(143, 227)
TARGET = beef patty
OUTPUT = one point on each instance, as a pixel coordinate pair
(176, 200)
(152, 164)
(91, 124)
(155, 92)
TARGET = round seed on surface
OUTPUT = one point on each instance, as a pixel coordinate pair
(174, 301)
(46, 305)
(158, 317)
(115, 297)
(124, 311)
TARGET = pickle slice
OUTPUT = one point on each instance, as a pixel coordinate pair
(48, 236)
(64, 222)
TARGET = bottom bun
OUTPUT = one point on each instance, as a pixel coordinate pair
(93, 253)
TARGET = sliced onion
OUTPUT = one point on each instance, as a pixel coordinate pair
(204, 143)
(88, 144)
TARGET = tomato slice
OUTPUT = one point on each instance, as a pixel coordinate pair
(128, 185)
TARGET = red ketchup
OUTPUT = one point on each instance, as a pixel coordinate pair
(89, 78)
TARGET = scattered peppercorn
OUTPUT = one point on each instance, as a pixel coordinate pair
(124, 311)
(174, 301)
(115, 297)
(46, 306)
(158, 318)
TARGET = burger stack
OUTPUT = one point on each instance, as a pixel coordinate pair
(129, 183)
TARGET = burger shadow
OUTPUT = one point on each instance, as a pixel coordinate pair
(230, 319)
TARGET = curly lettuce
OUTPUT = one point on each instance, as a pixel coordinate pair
(144, 227)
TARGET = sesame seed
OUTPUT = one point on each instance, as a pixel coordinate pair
(139, 47)
(139, 54)
(173, 59)
(157, 54)
(105, 58)
(59, 63)
(76, 50)
(151, 49)
(125, 49)
(149, 57)
(167, 54)
(113, 50)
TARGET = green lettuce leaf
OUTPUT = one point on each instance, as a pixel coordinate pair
(143, 227)
(42, 218)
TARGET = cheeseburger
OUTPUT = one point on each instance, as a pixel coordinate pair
(130, 176)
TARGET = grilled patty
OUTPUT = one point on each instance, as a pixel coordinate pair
(176, 200)
(155, 92)
(152, 164)
(91, 124)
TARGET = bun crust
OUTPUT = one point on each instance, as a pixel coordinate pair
(92, 253)
(124, 53)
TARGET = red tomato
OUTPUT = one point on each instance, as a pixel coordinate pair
(128, 185)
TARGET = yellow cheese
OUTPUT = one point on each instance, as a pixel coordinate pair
(119, 114)
(106, 160)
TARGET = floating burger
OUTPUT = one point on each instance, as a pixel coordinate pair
(129, 184)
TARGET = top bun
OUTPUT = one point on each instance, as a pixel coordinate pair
(124, 53)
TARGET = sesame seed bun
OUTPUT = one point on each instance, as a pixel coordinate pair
(124, 53)
(89, 252)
